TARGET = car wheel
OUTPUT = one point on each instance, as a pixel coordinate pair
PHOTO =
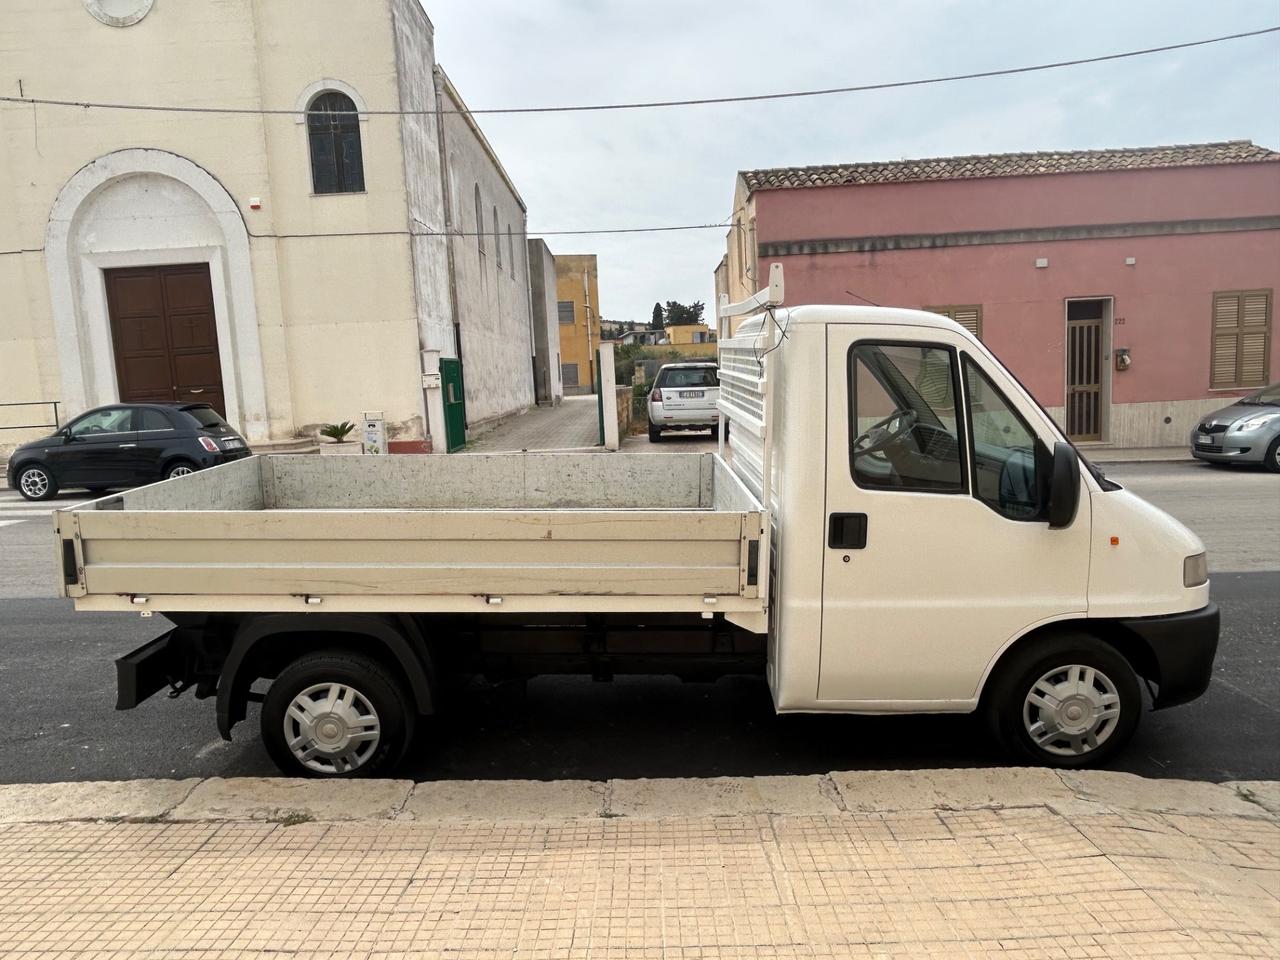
(36, 482)
(1272, 462)
(1071, 701)
(179, 468)
(337, 715)
(655, 434)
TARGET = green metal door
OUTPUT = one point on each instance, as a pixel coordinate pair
(455, 408)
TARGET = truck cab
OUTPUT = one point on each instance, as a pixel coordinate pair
(939, 546)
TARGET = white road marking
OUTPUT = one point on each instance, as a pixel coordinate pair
(9, 523)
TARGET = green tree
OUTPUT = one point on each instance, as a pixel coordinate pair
(678, 315)
(656, 323)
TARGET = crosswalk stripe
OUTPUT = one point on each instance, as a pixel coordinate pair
(8, 523)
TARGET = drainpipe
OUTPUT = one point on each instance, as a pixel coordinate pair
(447, 195)
(586, 298)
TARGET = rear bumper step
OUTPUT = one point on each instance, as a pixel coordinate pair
(149, 669)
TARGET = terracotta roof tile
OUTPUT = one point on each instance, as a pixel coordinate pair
(1009, 165)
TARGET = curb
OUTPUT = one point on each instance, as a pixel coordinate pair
(290, 801)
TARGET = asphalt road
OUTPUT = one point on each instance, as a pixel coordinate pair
(58, 687)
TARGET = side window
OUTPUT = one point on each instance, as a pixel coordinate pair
(497, 239)
(115, 420)
(150, 420)
(904, 433)
(1010, 474)
(565, 311)
(479, 223)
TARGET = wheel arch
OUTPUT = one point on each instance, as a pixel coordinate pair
(1125, 641)
(263, 645)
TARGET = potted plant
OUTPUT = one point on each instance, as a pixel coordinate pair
(339, 434)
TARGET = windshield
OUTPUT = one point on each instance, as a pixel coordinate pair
(1267, 396)
(687, 377)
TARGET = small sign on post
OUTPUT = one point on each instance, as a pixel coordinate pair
(375, 431)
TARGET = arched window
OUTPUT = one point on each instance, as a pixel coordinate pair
(497, 238)
(479, 223)
(333, 129)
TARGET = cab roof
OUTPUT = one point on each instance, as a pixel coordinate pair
(843, 313)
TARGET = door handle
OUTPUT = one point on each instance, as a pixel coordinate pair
(123, 445)
(191, 390)
(847, 531)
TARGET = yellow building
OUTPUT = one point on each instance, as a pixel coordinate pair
(578, 307)
(686, 333)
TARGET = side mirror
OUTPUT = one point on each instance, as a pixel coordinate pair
(66, 435)
(1064, 486)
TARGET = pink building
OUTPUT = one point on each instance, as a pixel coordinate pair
(1130, 290)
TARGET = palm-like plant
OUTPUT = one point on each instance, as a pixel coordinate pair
(337, 431)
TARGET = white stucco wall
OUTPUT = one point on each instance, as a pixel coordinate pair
(335, 315)
(546, 322)
(492, 299)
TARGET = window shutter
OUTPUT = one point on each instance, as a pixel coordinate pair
(1255, 310)
(969, 317)
(1241, 337)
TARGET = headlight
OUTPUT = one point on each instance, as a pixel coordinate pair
(1195, 570)
(1254, 424)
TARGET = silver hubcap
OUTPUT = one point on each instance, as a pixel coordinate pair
(34, 483)
(1071, 710)
(180, 471)
(331, 728)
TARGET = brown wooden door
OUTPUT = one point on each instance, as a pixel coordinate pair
(164, 334)
(1084, 369)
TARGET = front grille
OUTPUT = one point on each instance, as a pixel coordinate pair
(1212, 428)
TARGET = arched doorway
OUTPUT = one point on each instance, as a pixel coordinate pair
(144, 248)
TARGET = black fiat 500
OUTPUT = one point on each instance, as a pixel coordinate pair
(125, 445)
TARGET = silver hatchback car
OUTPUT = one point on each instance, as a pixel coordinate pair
(1248, 431)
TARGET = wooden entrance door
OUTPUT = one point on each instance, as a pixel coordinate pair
(164, 335)
(1084, 368)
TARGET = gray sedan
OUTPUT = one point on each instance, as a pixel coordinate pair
(1248, 431)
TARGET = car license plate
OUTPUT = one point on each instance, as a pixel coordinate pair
(690, 394)
(1204, 438)
(233, 444)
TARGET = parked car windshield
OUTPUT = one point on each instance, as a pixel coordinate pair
(206, 416)
(1266, 396)
(688, 377)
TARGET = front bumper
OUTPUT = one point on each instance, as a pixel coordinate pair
(1230, 447)
(1182, 646)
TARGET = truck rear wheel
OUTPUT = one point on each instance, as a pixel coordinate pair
(336, 714)
(1070, 701)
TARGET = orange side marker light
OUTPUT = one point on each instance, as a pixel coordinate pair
(1115, 541)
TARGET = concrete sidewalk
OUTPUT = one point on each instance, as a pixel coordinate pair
(572, 425)
(973, 863)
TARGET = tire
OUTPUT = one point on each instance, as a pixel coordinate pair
(36, 482)
(655, 434)
(315, 679)
(1078, 672)
(1272, 461)
(179, 468)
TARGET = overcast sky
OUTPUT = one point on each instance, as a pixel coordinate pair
(676, 166)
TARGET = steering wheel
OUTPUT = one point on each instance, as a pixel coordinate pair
(880, 435)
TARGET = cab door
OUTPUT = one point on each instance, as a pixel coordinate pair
(937, 549)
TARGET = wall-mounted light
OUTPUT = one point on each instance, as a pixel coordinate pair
(1042, 262)
(1130, 261)
(1123, 360)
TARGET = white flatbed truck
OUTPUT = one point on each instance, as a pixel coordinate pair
(894, 526)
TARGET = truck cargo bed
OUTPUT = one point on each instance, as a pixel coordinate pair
(502, 532)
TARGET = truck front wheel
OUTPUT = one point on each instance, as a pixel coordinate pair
(1069, 701)
(336, 714)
